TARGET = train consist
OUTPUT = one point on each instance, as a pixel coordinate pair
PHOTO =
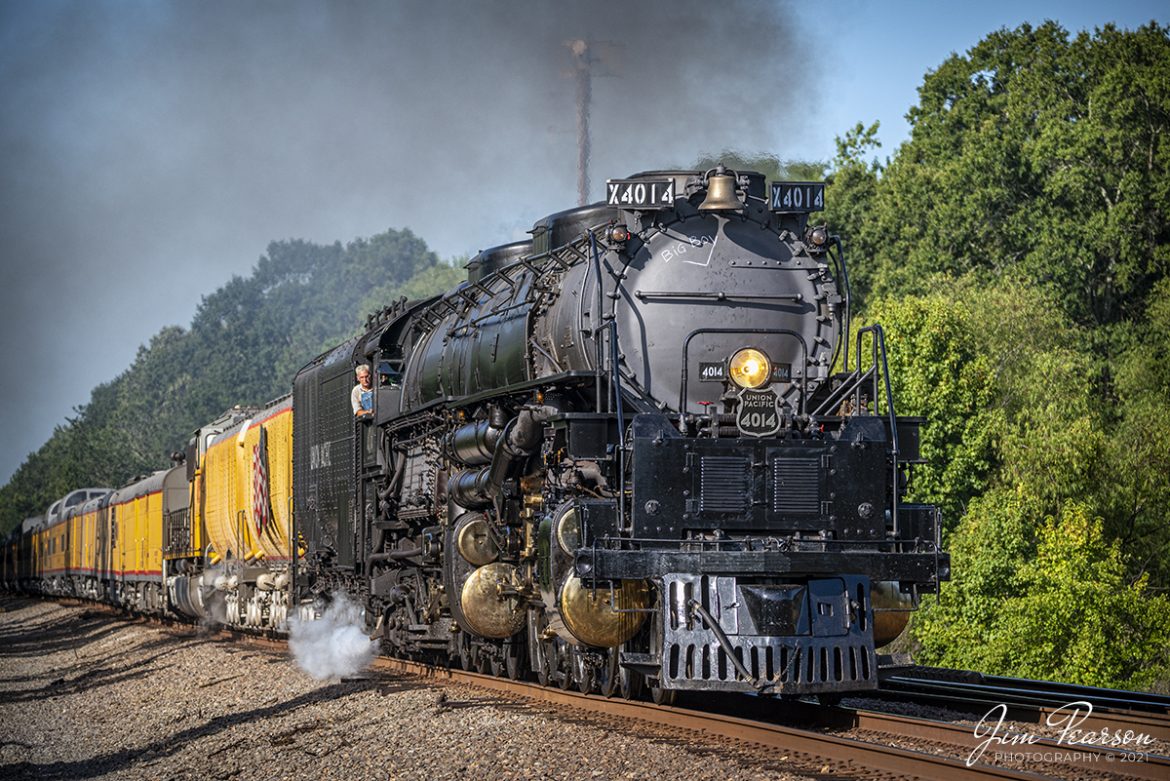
(636, 450)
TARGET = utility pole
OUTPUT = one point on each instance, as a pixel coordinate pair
(582, 67)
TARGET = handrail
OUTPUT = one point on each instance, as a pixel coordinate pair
(847, 386)
(598, 347)
(878, 347)
(615, 376)
(848, 297)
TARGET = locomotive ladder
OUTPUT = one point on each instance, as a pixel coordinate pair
(875, 380)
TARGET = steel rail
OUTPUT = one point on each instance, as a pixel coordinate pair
(1052, 691)
(1114, 761)
(1025, 708)
(1131, 764)
(862, 757)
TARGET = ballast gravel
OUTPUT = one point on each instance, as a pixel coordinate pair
(89, 695)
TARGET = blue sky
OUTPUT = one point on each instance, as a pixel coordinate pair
(881, 50)
(150, 150)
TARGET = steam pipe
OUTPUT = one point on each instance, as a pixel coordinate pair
(848, 301)
(621, 421)
(597, 318)
(474, 443)
(395, 478)
(394, 555)
(475, 488)
(383, 495)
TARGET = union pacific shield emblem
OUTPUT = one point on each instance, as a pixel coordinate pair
(758, 414)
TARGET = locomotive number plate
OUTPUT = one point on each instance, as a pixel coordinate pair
(640, 193)
(798, 197)
(712, 371)
(758, 414)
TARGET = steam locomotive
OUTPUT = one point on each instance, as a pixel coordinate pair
(637, 450)
(619, 455)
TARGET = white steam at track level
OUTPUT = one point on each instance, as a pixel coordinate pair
(335, 645)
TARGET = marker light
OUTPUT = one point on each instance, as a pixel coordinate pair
(749, 368)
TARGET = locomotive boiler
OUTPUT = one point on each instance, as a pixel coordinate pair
(638, 448)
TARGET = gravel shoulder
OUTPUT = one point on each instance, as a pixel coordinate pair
(87, 695)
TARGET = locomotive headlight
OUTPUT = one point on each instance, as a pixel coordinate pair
(749, 368)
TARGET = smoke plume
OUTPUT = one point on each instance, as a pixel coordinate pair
(151, 150)
(335, 645)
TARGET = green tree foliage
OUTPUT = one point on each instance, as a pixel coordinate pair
(852, 186)
(1023, 457)
(1015, 248)
(1135, 486)
(1000, 374)
(938, 374)
(1075, 599)
(1034, 155)
(426, 283)
(995, 536)
(245, 343)
(1053, 602)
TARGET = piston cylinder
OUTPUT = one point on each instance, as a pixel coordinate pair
(473, 444)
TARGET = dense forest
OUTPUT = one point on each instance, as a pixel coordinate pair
(244, 345)
(1015, 249)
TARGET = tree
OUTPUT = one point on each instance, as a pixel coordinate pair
(1019, 239)
(1039, 156)
(426, 283)
(938, 373)
(1048, 602)
(245, 343)
(849, 199)
(1028, 466)
(1134, 489)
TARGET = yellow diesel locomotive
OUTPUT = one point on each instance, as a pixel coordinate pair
(208, 538)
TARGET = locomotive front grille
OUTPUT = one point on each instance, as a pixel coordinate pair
(796, 486)
(825, 643)
(725, 484)
(790, 665)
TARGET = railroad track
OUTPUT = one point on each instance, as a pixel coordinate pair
(843, 755)
(1090, 759)
(935, 750)
(1028, 701)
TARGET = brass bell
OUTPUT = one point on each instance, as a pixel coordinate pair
(721, 195)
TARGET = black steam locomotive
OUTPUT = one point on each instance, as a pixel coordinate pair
(636, 449)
